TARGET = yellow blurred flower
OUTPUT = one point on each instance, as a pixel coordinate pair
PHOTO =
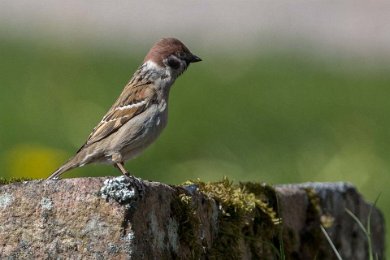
(32, 161)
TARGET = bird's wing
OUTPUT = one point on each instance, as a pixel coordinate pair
(134, 100)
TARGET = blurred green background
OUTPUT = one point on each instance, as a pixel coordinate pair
(274, 113)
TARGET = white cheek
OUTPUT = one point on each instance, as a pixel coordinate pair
(150, 65)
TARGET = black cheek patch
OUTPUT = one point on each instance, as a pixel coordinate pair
(173, 63)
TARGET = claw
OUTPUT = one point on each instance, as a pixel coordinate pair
(139, 185)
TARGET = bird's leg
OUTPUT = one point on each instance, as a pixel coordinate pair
(121, 167)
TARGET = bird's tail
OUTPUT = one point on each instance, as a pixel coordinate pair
(72, 163)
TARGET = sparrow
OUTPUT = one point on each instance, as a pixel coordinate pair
(139, 114)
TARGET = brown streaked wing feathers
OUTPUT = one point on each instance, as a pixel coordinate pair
(114, 119)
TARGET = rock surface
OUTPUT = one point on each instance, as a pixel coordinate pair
(110, 218)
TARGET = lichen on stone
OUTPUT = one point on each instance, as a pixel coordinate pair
(120, 189)
(156, 232)
(129, 242)
(46, 203)
(173, 236)
(5, 200)
(112, 249)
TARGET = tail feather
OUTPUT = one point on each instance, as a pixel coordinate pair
(66, 167)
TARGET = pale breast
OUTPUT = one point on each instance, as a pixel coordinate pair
(140, 132)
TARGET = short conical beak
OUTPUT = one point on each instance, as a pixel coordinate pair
(195, 59)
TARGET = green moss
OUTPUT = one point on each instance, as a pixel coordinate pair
(325, 219)
(266, 199)
(314, 201)
(247, 213)
(188, 223)
(4, 181)
(312, 236)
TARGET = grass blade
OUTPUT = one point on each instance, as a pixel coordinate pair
(360, 224)
(366, 230)
(331, 243)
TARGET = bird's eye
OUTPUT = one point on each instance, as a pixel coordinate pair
(181, 55)
(173, 62)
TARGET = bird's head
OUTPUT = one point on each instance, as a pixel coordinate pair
(171, 54)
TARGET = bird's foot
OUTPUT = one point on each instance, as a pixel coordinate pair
(138, 183)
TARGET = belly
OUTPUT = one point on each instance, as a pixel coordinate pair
(139, 133)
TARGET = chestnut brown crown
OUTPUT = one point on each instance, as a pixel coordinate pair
(167, 50)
